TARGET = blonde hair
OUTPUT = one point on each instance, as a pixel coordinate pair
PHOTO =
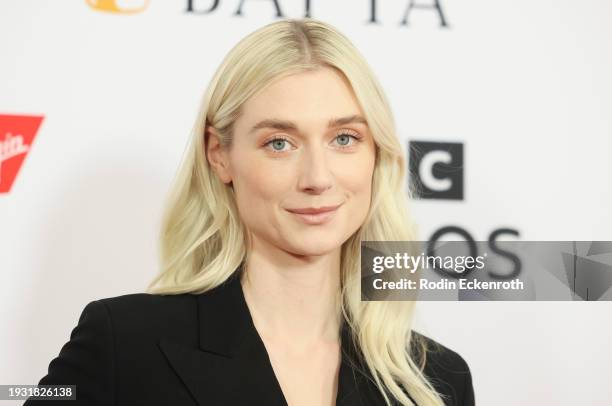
(203, 239)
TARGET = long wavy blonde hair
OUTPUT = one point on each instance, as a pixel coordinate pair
(203, 239)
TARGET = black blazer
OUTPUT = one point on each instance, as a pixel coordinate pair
(186, 349)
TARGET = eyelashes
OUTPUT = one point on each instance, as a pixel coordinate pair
(282, 140)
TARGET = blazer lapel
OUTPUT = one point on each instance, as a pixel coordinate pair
(231, 364)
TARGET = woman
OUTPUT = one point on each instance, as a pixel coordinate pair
(294, 161)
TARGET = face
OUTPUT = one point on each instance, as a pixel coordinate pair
(288, 156)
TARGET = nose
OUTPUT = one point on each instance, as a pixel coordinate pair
(315, 173)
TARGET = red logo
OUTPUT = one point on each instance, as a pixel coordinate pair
(16, 136)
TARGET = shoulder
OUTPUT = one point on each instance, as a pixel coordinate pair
(446, 369)
(144, 302)
(112, 333)
(143, 314)
(441, 358)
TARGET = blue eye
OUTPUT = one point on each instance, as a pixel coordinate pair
(277, 142)
(347, 137)
(343, 139)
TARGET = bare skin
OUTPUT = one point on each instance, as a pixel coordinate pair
(293, 269)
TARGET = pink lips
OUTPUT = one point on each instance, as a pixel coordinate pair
(315, 215)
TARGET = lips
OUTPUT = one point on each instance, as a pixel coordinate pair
(315, 215)
(314, 210)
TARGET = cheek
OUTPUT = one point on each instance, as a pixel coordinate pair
(358, 184)
(259, 188)
(363, 194)
(357, 178)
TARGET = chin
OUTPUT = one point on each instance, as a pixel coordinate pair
(315, 247)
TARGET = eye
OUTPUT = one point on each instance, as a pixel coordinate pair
(344, 139)
(277, 144)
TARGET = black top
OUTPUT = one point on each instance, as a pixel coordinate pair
(202, 349)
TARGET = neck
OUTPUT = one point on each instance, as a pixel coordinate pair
(293, 300)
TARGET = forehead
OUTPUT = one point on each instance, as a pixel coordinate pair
(309, 97)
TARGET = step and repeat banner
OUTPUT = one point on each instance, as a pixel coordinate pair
(503, 108)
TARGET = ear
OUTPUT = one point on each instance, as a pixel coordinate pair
(216, 154)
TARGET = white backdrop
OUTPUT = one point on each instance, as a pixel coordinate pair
(524, 85)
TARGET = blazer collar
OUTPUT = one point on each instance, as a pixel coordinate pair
(231, 359)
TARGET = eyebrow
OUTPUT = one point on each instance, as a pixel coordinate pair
(291, 126)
